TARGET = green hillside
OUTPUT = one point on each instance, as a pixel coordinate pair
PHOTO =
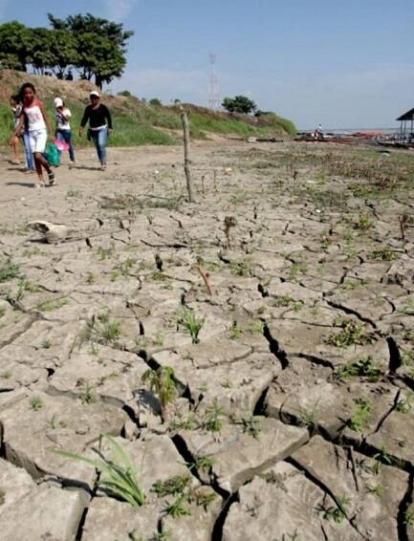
(136, 122)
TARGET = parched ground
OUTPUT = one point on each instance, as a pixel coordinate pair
(283, 302)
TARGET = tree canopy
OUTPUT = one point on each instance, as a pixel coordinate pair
(93, 46)
(239, 104)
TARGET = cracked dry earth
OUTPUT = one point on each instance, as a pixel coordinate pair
(293, 418)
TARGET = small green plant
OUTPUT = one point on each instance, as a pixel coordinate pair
(376, 490)
(101, 329)
(352, 333)
(252, 426)
(119, 477)
(171, 487)
(364, 367)
(382, 457)
(179, 507)
(213, 421)
(404, 405)
(2, 311)
(9, 271)
(286, 301)
(308, 417)
(203, 497)
(297, 269)
(409, 517)
(2, 496)
(383, 254)
(162, 383)
(88, 395)
(203, 463)
(46, 343)
(36, 403)
(240, 268)
(25, 285)
(364, 222)
(192, 323)
(104, 253)
(361, 415)
(255, 327)
(336, 513)
(236, 331)
(187, 423)
(52, 304)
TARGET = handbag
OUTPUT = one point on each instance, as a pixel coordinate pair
(52, 154)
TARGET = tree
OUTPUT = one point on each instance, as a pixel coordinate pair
(14, 45)
(100, 44)
(239, 104)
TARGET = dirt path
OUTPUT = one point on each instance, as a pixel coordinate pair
(289, 415)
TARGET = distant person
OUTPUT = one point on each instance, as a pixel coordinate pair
(319, 133)
(33, 115)
(16, 108)
(100, 125)
(63, 129)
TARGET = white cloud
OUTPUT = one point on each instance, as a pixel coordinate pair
(118, 10)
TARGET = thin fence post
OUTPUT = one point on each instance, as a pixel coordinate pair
(186, 131)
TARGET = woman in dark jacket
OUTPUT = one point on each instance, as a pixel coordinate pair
(100, 125)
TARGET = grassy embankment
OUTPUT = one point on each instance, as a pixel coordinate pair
(135, 122)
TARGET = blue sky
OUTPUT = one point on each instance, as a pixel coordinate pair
(345, 64)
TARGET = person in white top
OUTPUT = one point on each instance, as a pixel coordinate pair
(63, 129)
(34, 115)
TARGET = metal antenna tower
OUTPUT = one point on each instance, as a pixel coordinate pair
(213, 86)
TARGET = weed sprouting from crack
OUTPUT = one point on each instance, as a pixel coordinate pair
(192, 323)
(101, 329)
(364, 367)
(213, 421)
(180, 487)
(241, 268)
(119, 477)
(171, 487)
(361, 415)
(352, 333)
(36, 403)
(52, 304)
(9, 271)
(383, 254)
(162, 383)
(336, 513)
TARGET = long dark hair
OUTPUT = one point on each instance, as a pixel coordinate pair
(23, 88)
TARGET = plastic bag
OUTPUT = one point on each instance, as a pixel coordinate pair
(61, 145)
(53, 155)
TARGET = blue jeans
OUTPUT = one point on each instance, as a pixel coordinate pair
(28, 153)
(66, 136)
(100, 138)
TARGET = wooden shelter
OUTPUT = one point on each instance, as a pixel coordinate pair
(407, 125)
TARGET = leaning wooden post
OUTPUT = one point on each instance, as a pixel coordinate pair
(186, 130)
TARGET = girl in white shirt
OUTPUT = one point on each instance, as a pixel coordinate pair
(34, 114)
(63, 129)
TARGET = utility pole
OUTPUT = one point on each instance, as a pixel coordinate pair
(213, 85)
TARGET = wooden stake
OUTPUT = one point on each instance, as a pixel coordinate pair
(186, 131)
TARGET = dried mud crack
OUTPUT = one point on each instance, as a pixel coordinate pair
(244, 364)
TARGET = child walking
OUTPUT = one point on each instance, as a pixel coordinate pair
(63, 129)
(34, 114)
(100, 125)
